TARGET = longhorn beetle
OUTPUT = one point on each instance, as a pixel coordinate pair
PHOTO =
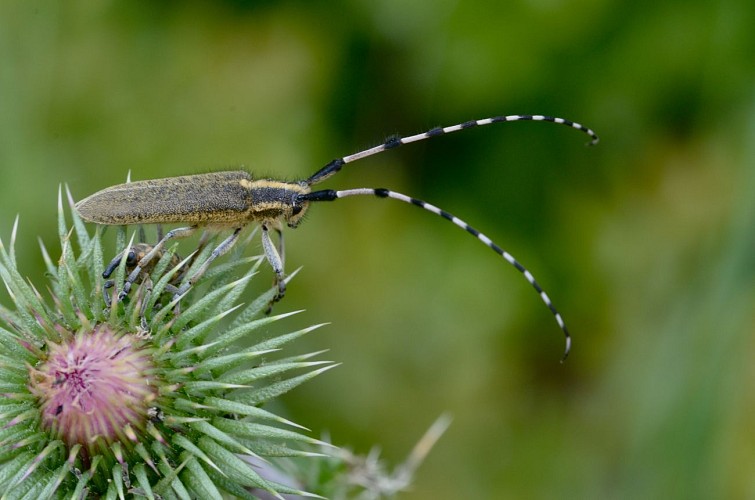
(235, 199)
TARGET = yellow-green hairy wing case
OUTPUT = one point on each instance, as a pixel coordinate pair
(216, 197)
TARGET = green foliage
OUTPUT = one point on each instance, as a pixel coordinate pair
(645, 242)
(194, 396)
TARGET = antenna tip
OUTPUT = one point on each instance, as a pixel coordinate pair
(568, 348)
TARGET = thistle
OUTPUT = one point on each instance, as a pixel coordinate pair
(101, 398)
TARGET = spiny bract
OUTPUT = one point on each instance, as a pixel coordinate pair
(138, 399)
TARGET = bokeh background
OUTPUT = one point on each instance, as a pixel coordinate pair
(645, 242)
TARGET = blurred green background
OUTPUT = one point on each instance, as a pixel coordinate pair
(646, 242)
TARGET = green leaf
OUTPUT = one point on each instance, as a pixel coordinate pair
(189, 446)
(246, 377)
(235, 468)
(216, 434)
(259, 431)
(140, 471)
(236, 408)
(263, 394)
(281, 340)
(198, 331)
(118, 480)
(228, 361)
(204, 303)
(12, 469)
(228, 338)
(52, 482)
(197, 480)
(170, 477)
(267, 449)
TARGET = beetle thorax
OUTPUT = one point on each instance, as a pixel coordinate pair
(277, 201)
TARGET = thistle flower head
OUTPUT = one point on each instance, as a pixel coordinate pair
(106, 398)
(94, 385)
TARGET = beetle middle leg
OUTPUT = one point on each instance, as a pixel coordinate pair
(181, 232)
(219, 250)
(276, 259)
(133, 256)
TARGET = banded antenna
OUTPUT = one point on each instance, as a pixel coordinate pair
(336, 165)
(236, 199)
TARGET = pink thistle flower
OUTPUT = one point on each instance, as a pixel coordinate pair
(94, 385)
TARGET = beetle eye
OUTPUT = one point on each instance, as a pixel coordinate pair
(131, 258)
(297, 210)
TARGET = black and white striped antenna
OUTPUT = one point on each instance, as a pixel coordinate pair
(236, 199)
(336, 165)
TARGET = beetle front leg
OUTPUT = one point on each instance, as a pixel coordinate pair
(276, 262)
